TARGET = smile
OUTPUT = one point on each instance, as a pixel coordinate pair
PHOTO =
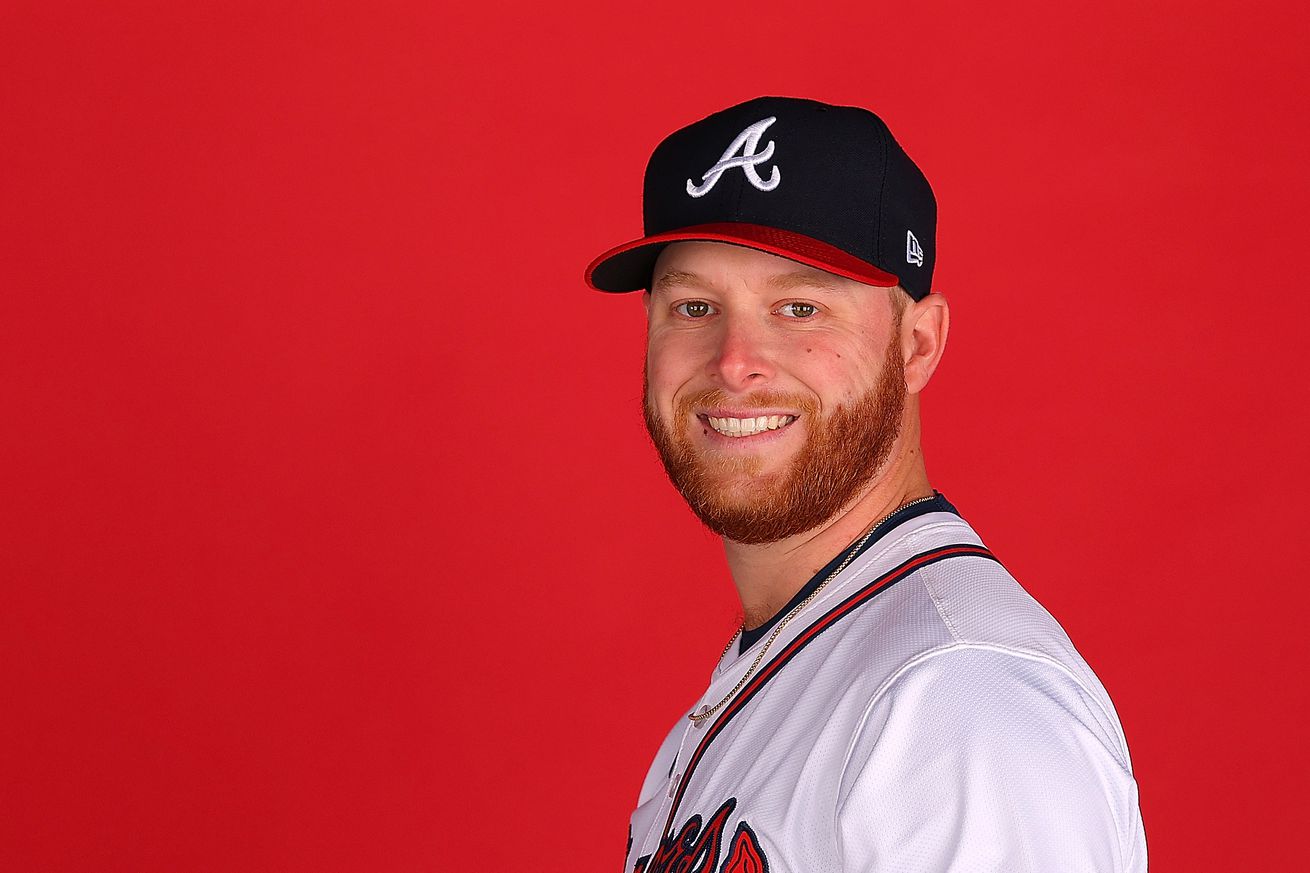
(742, 427)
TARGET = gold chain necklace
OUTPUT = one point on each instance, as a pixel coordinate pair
(699, 716)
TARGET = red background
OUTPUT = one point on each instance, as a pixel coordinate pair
(330, 536)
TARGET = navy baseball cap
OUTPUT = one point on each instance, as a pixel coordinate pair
(826, 186)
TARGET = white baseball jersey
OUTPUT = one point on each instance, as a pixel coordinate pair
(923, 713)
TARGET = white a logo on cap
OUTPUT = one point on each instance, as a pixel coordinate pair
(746, 142)
(913, 251)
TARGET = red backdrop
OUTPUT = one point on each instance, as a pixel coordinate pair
(330, 536)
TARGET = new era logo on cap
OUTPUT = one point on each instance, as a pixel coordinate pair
(849, 195)
(913, 252)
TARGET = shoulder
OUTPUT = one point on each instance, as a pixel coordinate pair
(978, 749)
(964, 602)
(986, 695)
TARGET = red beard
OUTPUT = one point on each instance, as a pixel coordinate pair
(842, 454)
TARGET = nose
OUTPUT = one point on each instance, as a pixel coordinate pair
(742, 359)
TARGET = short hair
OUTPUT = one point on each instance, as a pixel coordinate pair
(901, 301)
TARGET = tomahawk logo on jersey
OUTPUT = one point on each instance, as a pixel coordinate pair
(924, 712)
(696, 847)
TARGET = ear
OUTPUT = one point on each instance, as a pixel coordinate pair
(923, 338)
(645, 302)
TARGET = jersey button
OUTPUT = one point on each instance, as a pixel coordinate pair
(673, 786)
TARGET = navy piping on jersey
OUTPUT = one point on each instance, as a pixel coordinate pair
(939, 503)
(827, 620)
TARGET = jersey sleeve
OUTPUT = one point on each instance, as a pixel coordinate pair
(984, 759)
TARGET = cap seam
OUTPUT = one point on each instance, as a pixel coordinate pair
(882, 190)
(741, 190)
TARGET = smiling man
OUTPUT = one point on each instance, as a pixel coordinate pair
(894, 700)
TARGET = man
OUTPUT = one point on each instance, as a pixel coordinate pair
(894, 701)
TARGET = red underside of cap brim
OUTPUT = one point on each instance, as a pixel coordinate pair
(628, 267)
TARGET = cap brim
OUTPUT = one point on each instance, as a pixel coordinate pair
(628, 267)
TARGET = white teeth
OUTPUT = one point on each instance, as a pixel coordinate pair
(740, 427)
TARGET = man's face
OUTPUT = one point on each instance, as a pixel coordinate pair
(774, 391)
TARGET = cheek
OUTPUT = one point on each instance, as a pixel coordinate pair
(666, 372)
(672, 360)
(839, 376)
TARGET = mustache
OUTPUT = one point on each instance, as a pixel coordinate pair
(754, 400)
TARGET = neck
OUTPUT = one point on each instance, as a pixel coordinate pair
(767, 576)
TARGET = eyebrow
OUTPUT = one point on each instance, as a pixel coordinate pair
(676, 278)
(811, 279)
(782, 281)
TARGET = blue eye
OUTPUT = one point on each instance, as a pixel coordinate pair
(693, 309)
(799, 310)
